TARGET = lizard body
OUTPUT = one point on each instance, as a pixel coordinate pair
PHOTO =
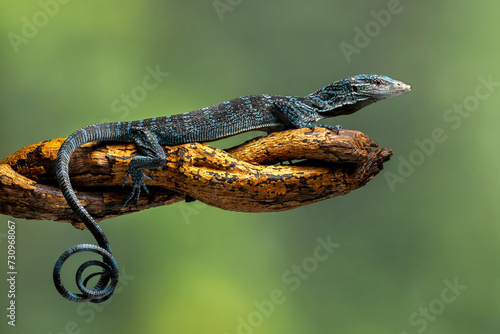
(256, 112)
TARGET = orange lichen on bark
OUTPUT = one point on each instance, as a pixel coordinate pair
(244, 178)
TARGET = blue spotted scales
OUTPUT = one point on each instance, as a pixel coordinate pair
(256, 112)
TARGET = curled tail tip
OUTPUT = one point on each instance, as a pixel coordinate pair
(103, 289)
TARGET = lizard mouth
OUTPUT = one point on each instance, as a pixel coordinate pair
(395, 89)
(403, 87)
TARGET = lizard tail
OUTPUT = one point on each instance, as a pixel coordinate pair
(109, 274)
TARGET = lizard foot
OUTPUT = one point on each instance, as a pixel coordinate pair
(137, 177)
(336, 128)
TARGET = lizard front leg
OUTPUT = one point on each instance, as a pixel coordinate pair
(153, 157)
(299, 115)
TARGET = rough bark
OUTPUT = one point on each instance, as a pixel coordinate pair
(244, 178)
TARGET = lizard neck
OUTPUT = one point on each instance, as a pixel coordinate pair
(341, 104)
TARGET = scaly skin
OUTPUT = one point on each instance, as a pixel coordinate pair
(256, 112)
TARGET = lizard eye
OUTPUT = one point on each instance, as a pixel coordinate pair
(377, 82)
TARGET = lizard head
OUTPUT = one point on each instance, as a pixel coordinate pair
(377, 87)
(351, 94)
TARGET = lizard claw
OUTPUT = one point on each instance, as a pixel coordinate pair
(125, 181)
(138, 184)
(337, 128)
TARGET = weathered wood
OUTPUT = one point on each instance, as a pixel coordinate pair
(239, 179)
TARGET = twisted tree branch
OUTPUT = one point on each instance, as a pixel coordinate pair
(243, 178)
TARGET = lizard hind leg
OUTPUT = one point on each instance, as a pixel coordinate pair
(153, 156)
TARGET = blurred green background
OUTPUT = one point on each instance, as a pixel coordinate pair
(416, 249)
